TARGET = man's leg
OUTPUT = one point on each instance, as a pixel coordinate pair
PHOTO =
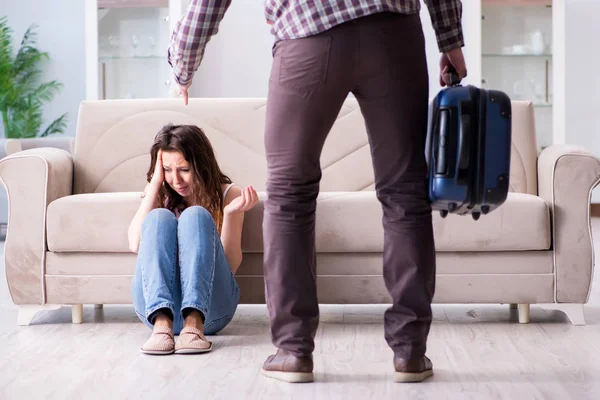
(308, 85)
(393, 96)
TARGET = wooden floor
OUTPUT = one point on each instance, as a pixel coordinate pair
(479, 352)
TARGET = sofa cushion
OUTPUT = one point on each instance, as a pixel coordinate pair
(346, 222)
(235, 128)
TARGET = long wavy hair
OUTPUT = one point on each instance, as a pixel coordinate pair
(207, 177)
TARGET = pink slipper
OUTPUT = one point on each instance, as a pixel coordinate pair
(161, 342)
(192, 341)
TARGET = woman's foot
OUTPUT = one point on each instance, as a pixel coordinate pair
(161, 342)
(191, 338)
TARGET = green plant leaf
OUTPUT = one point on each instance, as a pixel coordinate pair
(47, 91)
(57, 126)
(27, 117)
(22, 96)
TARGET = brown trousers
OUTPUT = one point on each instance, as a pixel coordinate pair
(381, 60)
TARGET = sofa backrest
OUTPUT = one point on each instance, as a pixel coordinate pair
(113, 140)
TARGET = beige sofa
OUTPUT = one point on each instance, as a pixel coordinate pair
(67, 236)
(12, 146)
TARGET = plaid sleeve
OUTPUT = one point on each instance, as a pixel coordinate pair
(446, 20)
(270, 7)
(191, 35)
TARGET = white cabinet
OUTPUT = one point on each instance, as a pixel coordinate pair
(126, 48)
(518, 2)
(522, 54)
(132, 3)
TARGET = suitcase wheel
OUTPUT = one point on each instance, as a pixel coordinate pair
(476, 215)
(452, 207)
(485, 209)
(444, 213)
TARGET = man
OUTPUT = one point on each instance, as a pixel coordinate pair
(325, 49)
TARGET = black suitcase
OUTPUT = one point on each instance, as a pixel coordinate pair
(468, 149)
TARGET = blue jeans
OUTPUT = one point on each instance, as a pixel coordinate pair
(181, 265)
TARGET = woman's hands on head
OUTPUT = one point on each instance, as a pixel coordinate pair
(158, 176)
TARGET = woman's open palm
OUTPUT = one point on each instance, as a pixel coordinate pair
(242, 203)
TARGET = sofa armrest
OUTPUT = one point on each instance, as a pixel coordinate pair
(33, 179)
(566, 176)
(12, 146)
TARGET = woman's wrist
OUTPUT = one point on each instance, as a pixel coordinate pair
(151, 191)
(227, 213)
(155, 184)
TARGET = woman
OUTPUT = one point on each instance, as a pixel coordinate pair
(187, 233)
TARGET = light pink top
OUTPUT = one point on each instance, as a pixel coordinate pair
(178, 213)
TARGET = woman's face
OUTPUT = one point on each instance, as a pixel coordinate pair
(178, 173)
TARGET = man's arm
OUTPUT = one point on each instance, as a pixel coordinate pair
(191, 35)
(446, 20)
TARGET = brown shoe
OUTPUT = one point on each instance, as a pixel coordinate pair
(289, 368)
(415, 370)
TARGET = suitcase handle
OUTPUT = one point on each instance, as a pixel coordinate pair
(453, 75)
(464, 141)
(441, 161)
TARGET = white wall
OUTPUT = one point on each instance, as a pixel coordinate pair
(237, 62)
(582, 82)
(61, 34)
(582, 78)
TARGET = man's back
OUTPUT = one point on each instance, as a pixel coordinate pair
(301, 18)
(294, 19)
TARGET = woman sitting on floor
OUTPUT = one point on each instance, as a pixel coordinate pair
(187, 233)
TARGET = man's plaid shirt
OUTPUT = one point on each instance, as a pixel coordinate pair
(292, 19)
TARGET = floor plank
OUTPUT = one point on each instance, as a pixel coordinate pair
(479, 352)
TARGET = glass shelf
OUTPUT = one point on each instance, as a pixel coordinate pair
(133, 58)
(516, 55)
(131, 38)
(542, 105)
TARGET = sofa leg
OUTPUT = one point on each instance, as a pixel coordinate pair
(524, 313)
(77, 313)
(513, 306)
(573, 311)
(28, 311)
(98, 306)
